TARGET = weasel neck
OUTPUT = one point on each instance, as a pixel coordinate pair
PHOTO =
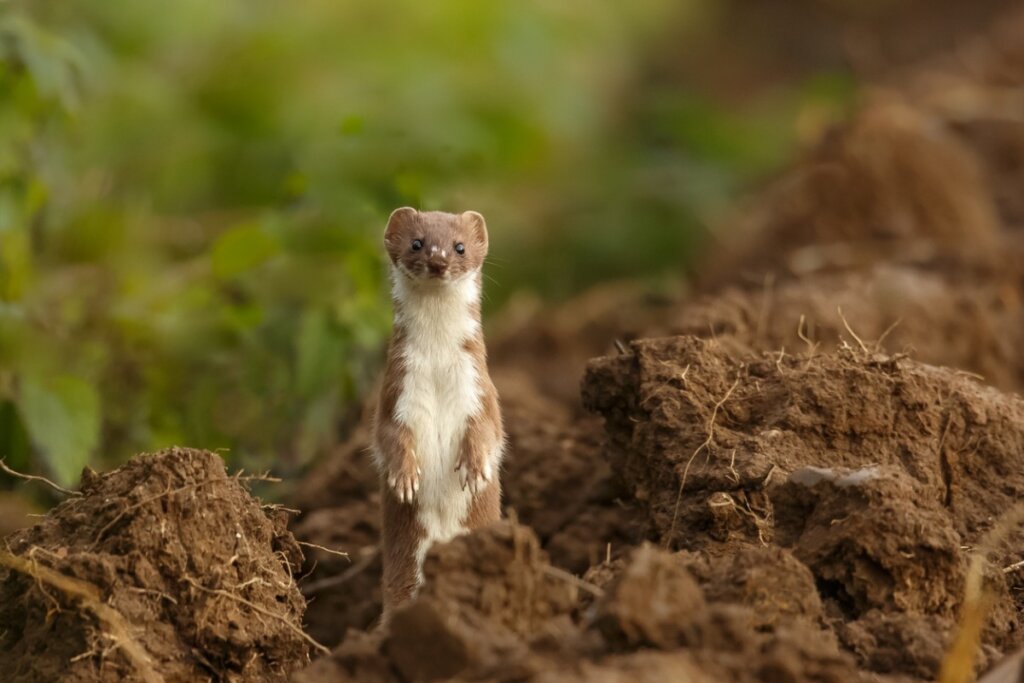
(436, 312)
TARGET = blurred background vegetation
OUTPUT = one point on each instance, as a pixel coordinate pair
(192, 195)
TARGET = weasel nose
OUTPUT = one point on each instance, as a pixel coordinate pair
(437, 267)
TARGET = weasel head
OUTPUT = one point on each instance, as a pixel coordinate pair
(436, 247)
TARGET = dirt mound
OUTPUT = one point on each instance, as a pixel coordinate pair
(894, 181)
(873, 538)
(175, 568)
(681, 406)
(484, 597)
(653, 602)
(977, 92)
(874, 471)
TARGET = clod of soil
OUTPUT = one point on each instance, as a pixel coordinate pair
(873, 538)
(188, 566)
(769, 580)
(484, 596)
(653, 602)
(913, 644)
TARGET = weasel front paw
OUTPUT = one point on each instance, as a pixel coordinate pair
(404, 479)
(474, 473)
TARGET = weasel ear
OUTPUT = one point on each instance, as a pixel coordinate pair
(399, 218)
(476, 223)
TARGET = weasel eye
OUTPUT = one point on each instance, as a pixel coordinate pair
(417, 245)
(460, 248)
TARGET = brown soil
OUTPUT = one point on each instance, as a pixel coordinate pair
(493, 609)
(197, 569)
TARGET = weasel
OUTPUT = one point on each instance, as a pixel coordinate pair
(438, 437)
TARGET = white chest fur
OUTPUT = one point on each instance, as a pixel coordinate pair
(440, 392)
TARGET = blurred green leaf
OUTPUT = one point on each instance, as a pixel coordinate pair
(62, 418)
(241, 249)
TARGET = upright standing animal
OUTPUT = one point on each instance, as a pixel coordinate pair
(438, 436)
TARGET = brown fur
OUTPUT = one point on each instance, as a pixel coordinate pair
(486, 506)
(401, 536)
(484, 429)
(394, 440)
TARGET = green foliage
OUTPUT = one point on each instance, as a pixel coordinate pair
(62, 417)
(192, 196)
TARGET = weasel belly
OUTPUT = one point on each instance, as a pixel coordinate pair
(439, 395)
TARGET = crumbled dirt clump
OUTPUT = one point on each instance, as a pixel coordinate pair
(653, 602)
(484, 596)
(197, 570)
(911, 643)
(873, 538)
(768, 579)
